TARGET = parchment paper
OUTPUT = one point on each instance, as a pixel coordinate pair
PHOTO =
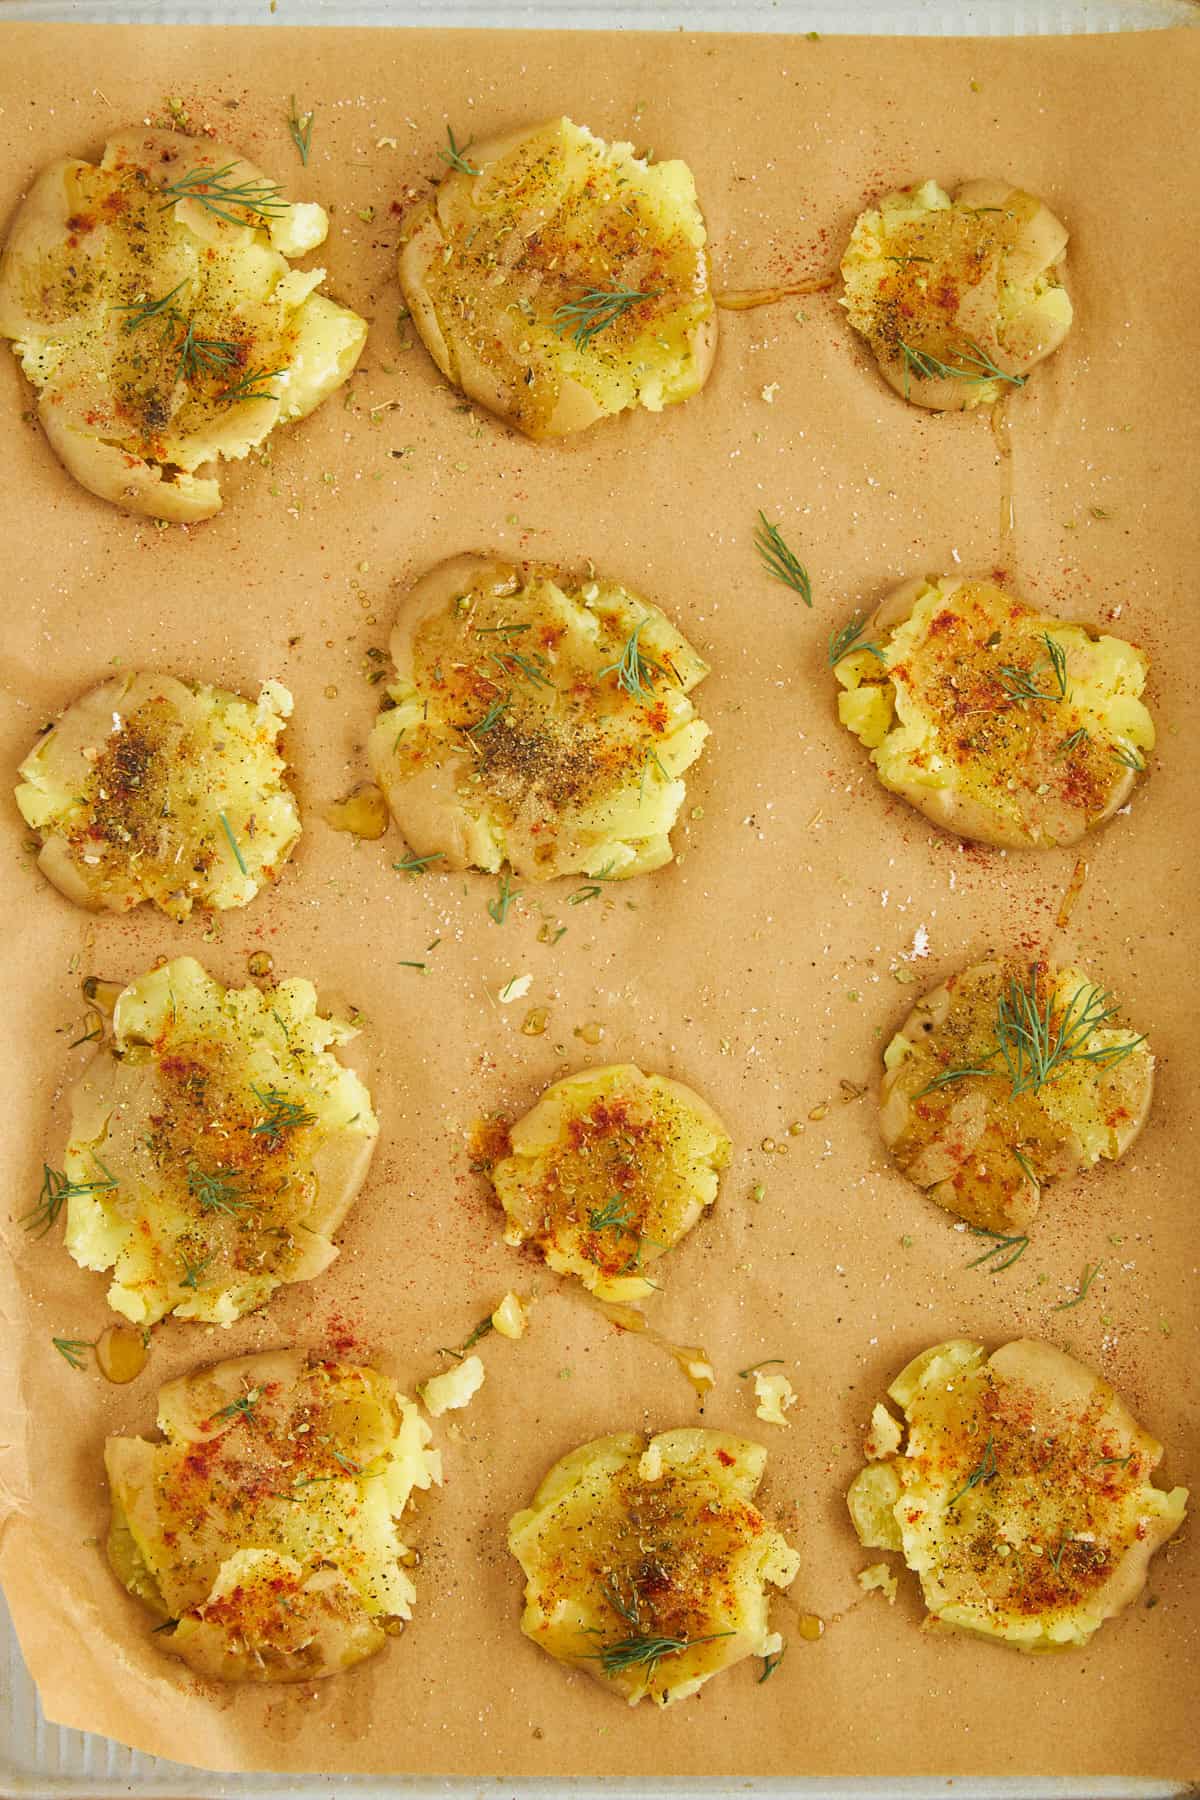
(765, 966)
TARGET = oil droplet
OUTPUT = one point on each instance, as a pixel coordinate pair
(331, 692)
(1074, 888)
(535, 1021)
(810, 1627)
(102, 994)
(363, 812)
(819, 1112)
(260, 963)
(592, 1032)
(121, 1353)
(769, 1145)
(795, 1128)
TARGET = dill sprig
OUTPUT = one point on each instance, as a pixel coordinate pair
(73, 1350)
(1037, 1041)
(1074, 740)
(242, 1407)
(985, 1470)
(595, 310)
(238, 203)
(511, 662)
(217, 1190)
(779, 561)
(959, 1073)
(250, 387)
(1005, 1249)
(974, 365)
(56, 1189)
(1022, 684)
(644, 1650)
(193, 1271)
(771, 1663)
(491, 717)
(498, 908)
(612, 1216)
(413, 865)
(500, 630)
(199, 355)
(634, 670)
(1090, 1272)
(233, 844)
(282, 1114)
(846, 642)
(300, 125)
(142, 311)
(1129, 755)
(455, 155)
(468, 1343)
(768, 1362)
(593, 887)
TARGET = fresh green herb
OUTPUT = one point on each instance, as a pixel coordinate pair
(1058, 663)
(233, 844)
(413, 965)
(612, 1216)
(1021, 684)
(413, 865)
(282, 1114)
(973, 365)
(634, 670)
(167, 1625)
(592, 888)
(908, 259)
(1115, 1462)
(1037, 1042)
(1005, 1250)
(645, 1651)
(242, 1407)
(217, 1190)
(651, 758)
(300, 125)
(958, 1073)
(627, 1606)
(142, 311)
(192, 1272)
(1091, 1270)
(1130, 756)
(468, 1343)
(846, 642)
(1057, 1556)
(768, 1362)
(1027, 1168)
(500, 630)
(57, 1188)
(73, 1350)
(88, 1037)
(984, 1470)
(595, 310)
(238, 203)
(455, 157)
(509, 663)
(250, 387)
(498, 908)
(198, 356)
(1081, 736)
(779, 561)
(491, 717)
(771, 1663)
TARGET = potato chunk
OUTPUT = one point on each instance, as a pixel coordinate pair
(216, 1145)
(150, 788)
(154, 310)
(958, 299)
(264, 1527)
(609, 1171)
(1023, 1497)
(647, 1564)
(537, 719)
(557, 279)
(1007, 1077)
(1001, 724)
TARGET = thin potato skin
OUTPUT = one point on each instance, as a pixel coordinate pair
(942, 700)
(262, 1533)
(972, 1145)
(1022, 1494)
(558, 213)
(961, 282)
(608, 1172)
(198, 1190)
(627, 1538)
(509, 737)
(161, 338)
(150, 788)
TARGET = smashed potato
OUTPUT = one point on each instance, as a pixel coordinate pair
(958, 299)
(1023, 1496)
(609, 1171)
(557, 279)
(999, 723)
(647, 1564)
(150, 788)
(536, 719)
(153, 308)
(216, 1145)
(1005, 1078)
(263, 1531)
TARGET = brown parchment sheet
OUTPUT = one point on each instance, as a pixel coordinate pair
(767, 966)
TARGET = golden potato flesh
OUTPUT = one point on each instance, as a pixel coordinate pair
(152, 305)
(537, 719)
(556, 279)
(609, 1171)
(647, 1564)
(958, 299)
(999, 723)
(264, 1528)
(150, 788)
(216, 1145)
(1022, 1496)
(1004, 1079)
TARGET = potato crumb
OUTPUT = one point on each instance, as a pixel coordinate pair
(650, 1467)
(775, 1395)
(880, 1577)
(511, 1316)
(454, 1389)
(883, 1438)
